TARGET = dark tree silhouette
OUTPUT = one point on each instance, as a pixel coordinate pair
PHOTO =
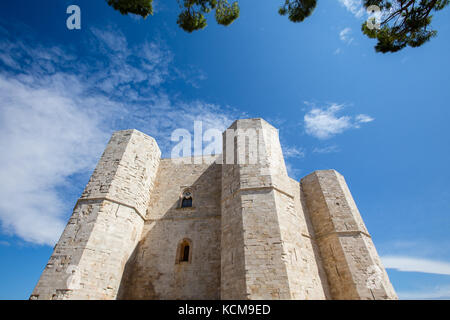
(400, 23)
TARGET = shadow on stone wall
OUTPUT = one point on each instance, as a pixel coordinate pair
(151, 272)
(322, 273)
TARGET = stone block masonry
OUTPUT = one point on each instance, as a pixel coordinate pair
(353, 268)
(247, 231)
(89, 259)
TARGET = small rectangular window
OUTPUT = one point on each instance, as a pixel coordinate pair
(185, 253)
(186, 203)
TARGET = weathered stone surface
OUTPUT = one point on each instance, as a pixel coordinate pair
(153, 272)
(353, 268)
(89, 259)
(252, 232)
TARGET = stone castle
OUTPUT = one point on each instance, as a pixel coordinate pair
(152, 228)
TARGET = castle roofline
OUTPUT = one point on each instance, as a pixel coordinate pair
(234, 124)
(130, 131)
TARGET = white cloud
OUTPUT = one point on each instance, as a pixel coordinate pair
(344, 35)
(324, 123)
(58, 110)
(47, 138)
(122, 67)
(412, 264)
(357, 8)
(363, 118)
(293, 152)
(112, 40)
(354, 6)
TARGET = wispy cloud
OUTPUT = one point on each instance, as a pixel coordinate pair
(413, 264)
(48, 138)
(363, 118)
(293, 152)
(354, 6)
(357, 8)
(58, 110)
(324, 123)
(345, 35)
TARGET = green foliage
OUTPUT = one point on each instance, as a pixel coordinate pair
(298, 10)
(403, 23)
(191, 21)
(226, 13)
(139, 7)
(193, 15)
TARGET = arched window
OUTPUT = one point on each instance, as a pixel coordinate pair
(184, 251)
(186, 199)
(185, 254)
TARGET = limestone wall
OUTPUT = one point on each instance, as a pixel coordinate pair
(126, 172)
(352, 265)
(89, 259)
(153, 271)
(267, 248)
(251, 242)
(307, 277)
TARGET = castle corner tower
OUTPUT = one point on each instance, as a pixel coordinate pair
(89, 259)
(354, 269)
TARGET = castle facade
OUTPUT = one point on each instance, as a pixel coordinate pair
(232, 226)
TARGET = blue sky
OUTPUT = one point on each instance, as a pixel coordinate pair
(379, 119)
